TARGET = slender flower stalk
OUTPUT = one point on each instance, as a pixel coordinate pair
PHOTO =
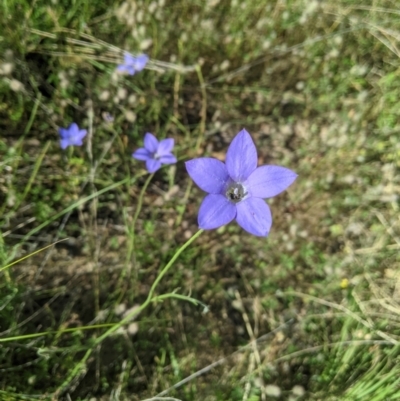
(140, 199)
(171, 262)
(150, 296)
(131, 249)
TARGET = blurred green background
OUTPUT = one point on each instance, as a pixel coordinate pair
(312, 312)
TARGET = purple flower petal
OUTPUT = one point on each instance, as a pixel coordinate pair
(209, 174)
(129, 59)
(254, 215)
(70, 132)
(63, 132)
(80, 134)
(122, 67)
(126, 68)
(152, 165)
(168, 159)
(241, 158)
(215, 211)
(165, 146)
(269, 181)
(64, 143)
(140, 62)
(150, 142)
(73, 129)
(141, 154)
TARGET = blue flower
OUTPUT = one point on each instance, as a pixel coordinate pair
(71, 136)
(132, 64)
(155, 153)
(236, 188)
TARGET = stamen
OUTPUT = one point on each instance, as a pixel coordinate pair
(236, 192)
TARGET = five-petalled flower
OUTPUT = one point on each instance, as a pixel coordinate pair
(155, 153)
(237, 188)
(71, 136)
(133, 64)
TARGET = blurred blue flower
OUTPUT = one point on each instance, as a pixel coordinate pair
(237, 187)
(133, 64)
(107, 117)
(71, 136)
(155, 153)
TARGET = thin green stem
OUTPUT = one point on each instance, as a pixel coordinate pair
(131, 249)
(140, 200)
(33, 176)
(203, 112)
(152, 289)
(75, 205)
(32, 116)
(31, 254)
(46, 333)
(170, 263)
(181, 297)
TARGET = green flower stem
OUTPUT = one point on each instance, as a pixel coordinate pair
(131, 249)
(203, 112)
(81, 366)
(135, 217)
(140, 200)
(182, 298)
(62, 331)
(170, 263)
(28, 256)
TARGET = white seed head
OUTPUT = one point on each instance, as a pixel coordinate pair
(266, 44)
(130, 116)
(6, 68)
(145, 44)
(120, 309)
(298, 390)
(272, 390)
(122, 93)
(133, 328)
(212, 3)
(16, 85)
(139, 16)
(224, 65)
(105, 95)
(152, 7)
(132, 99)
(184, 37)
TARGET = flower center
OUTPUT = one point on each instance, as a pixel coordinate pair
(236, 192)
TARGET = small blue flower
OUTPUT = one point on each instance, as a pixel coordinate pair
(132, 64)
(155, 153)
(107, 117)
(236, 188)
(71, 136)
